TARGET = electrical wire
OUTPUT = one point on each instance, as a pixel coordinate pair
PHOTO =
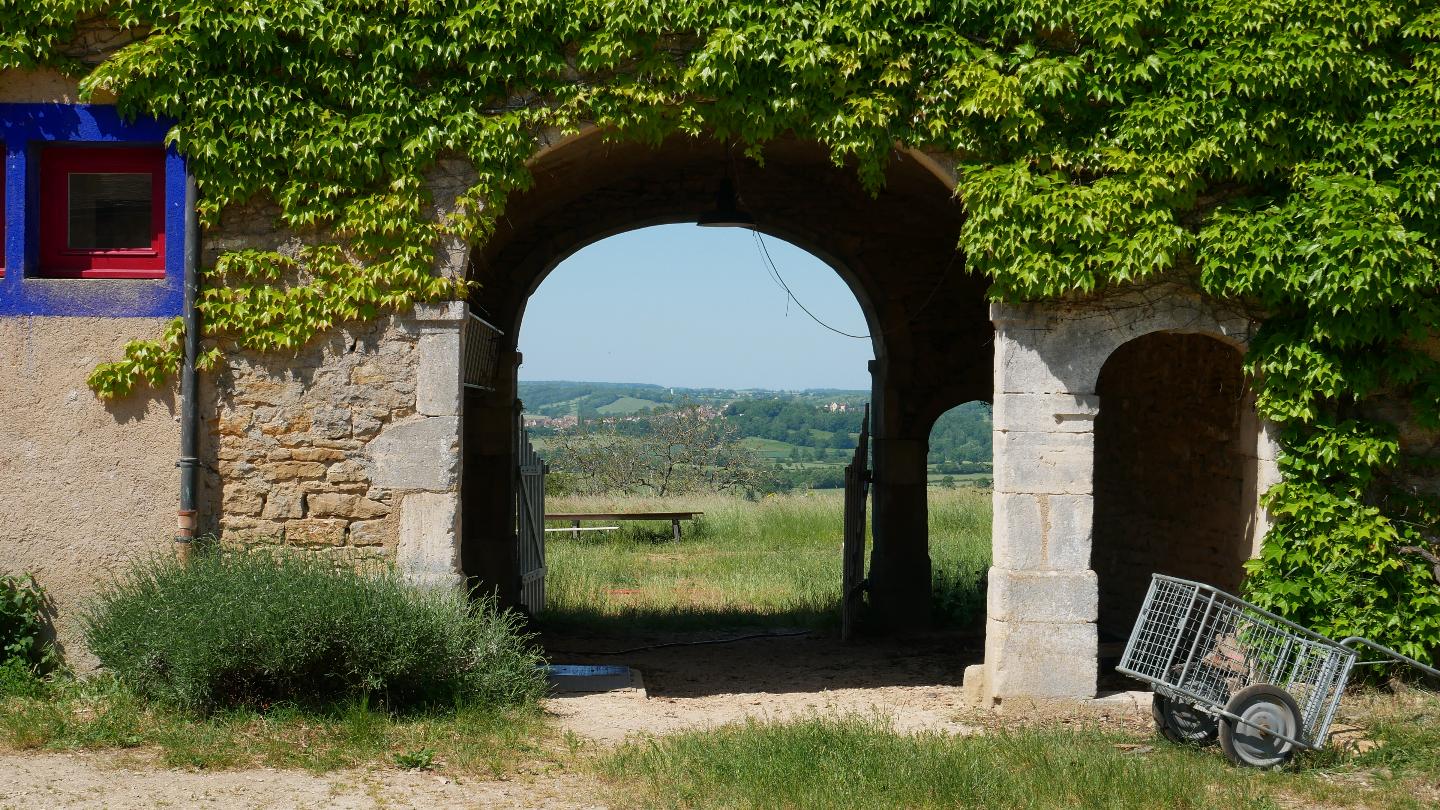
(778, 279)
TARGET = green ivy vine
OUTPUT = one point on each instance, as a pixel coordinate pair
(1277, 152)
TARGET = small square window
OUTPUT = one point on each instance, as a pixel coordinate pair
(102, 212)
(110, 211)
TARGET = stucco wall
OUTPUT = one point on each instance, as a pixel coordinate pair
(87, 488)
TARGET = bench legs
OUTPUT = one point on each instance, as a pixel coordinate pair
(675, 524)
(575, 524)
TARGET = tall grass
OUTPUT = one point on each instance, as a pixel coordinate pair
(771, 562)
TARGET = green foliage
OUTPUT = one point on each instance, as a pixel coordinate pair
(420, 759)
(23, 627)
(19, 679)
(256, 629)
(146, 361)
(1279, 153)
(786, 419)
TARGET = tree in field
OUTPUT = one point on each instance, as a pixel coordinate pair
(684, 451)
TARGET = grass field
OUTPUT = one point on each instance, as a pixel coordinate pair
(772, 562)
(626, 406)
(863, 763)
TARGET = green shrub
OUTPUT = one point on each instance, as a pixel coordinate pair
(22, 622)
(254, 630)
(19, 679)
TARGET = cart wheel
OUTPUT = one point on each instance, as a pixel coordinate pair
(1265, 708)
(1157, 712)
(1182, 723)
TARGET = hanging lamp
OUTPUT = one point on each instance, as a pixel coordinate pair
(727, 212)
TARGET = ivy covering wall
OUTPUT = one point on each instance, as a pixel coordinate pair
(1281, 153)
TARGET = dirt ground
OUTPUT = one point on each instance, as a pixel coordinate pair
(130, 780)
(915, 682)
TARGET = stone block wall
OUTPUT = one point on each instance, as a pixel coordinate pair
(349, 447)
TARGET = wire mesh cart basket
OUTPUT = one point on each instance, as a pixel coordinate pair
(1223, 668)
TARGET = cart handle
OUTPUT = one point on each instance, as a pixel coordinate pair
(1434, 673)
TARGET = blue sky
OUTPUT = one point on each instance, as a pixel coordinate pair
(693, 307)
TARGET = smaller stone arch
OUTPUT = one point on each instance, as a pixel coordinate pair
(1173, 481)
(1043, 608)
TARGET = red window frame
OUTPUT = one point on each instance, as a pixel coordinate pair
(57, 258)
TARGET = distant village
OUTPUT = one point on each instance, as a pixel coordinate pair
(571, 420)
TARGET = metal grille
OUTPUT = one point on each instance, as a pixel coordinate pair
(1202, 645)
(482, 353)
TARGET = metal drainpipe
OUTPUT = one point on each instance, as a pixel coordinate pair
(189, 462)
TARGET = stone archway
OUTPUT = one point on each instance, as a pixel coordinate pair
(1041, 634)
(896, 250)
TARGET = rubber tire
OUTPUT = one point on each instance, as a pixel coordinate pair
(1157, 713)
(1247, 747)
(1182, 723)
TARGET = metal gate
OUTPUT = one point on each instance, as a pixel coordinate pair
(857, 488)
(530, 521)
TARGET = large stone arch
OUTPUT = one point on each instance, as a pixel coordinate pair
(1041, 634)
(895, 248)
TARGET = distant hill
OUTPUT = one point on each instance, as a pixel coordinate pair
(815, 424)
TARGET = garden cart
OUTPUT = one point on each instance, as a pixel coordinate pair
(1224, 668)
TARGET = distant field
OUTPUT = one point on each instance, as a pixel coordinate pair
(554, 408)
(768, 448)
(625, 406)
(961, 479)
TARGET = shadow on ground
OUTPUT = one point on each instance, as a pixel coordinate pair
(801, 660)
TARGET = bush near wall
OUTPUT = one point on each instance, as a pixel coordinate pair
(23, 629)
(258, 629)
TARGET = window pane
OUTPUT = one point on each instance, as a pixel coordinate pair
(110, 211)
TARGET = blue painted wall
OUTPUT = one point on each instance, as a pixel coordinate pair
(27, 127)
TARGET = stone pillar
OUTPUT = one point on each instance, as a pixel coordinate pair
(1262, 450)
(899, 572)
(418, 458)
(1040, 635)
(900, 560)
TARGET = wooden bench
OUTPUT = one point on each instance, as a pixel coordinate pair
(576, 517)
